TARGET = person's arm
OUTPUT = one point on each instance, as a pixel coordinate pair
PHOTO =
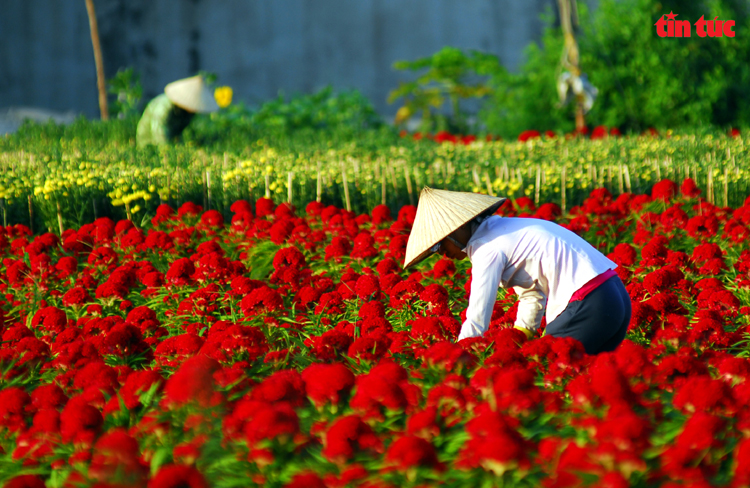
(531, 303)
(486, 270)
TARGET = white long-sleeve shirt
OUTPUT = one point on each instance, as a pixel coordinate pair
(543, 262)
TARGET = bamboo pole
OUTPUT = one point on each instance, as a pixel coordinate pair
(59, 219)
(382, 187)
(100, 80)
(31, 213)
(169, 187)
(488, 182)
(726, 185)
(319, 186)
(620, 183)
(537, 185)
(289, 179)
(205, 190)
(208, 188)
(268, 186)
(628, 186)
(562, 188)
(346, 188)
(409, 188)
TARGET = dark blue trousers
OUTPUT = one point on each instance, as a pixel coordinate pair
(599, 321)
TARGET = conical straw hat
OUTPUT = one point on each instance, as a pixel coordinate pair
(191, 94)
(441, 212)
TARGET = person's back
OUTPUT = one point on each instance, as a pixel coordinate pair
(161, 122)
(167, 115)
(535, 250)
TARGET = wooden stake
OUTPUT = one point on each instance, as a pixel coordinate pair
(208, 188)
(289, 179)
(409, 189)
(382, 187)
(537, 185)
(487, 181)
(31, 213)
(562, 188)
(726, 185)
(346, 188)
(100, 81)
(319, 186)
(59, 219)
(205, 190)
(620, 188)
(627, 179)
(268, 185)
(169, 187)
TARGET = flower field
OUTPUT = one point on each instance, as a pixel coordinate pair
(287, 348)
(52, 182)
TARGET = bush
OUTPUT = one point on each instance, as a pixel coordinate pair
(643, 80)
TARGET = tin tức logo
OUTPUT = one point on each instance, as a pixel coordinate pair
(670, 27)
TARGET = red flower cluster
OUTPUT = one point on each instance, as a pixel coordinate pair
(294, 350)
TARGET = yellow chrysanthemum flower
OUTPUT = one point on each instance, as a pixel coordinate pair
(223, 96)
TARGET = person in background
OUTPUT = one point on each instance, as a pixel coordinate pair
(167, 115)
(553, 270)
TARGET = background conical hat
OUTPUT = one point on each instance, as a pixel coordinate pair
(191, 94)
(441, 212)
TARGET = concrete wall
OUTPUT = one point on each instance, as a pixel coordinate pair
(258, 47)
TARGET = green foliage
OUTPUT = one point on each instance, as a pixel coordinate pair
(643, 80)
(126, 87)
(334, 115)
(528, 99)
(450, 76)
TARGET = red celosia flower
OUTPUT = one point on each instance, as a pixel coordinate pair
(340, 246)
(189, 209)
(306, 480)
(193, 382)
(528, 134)
(282, 386)
(410, 452)
(213, 219)
(271, 422)
(664, 190)
(178, 476)
(493, 444)
(14, 406)
(327, 382)
(262, 299)
(263, 207)
(79, 421)
(367, 286)
(689, 188)
(117, 451)
(25, 481)
(381, 214)
(548, 211)
(347, 436)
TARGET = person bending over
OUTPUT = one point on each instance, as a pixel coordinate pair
(554, 271)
